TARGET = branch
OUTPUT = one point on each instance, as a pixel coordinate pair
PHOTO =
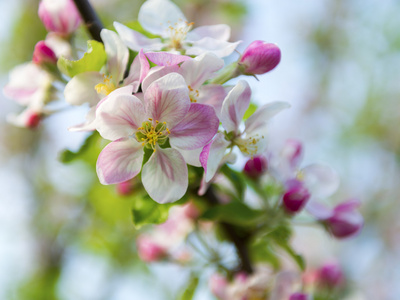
(90, 17)
(240, 242)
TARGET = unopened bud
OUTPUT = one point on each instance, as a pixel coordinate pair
(256, 166)
(43, 54)
(60, 16)
(124, 188)
(260, 57)
(149, 250)
(330, 276)
(299, 296)
(295, 197)
(33, 120)
(345, 220)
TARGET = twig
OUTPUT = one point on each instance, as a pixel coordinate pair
(90, 17)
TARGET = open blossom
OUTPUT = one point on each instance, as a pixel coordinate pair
(251, 141)
(260, 57)
(164, 18)
(91, 87)
(342, 221)
(134, 125)
(60, 16)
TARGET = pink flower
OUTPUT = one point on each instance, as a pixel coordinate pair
(218, 285)
(165, 113)
(343, 221)
(260, 57)
(330, 276)
(296, 196)
(60, 16)
(43, 54)
(255, 167)
(299, 296)
(149, 250)
(165, 19)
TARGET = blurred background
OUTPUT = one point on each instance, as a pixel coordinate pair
(59, 239)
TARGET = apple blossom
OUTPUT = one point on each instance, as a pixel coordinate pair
(165, 19)
(299, 296)
(60, 16)
(330, 276)
(251, 141)
(259, 58)
(133, 125)
(43, 54)
(295, 197)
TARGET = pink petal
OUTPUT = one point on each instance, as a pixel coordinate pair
(220, 32)
(263, 115)
(156, 73)
(165, 175)
(196, 71)
(235, 105)
(319, 210)
(212, 155)
(166, 59)
(208, 44)
(167, 99)
(139, 69)
(196, 129)
(119, 116)
(214, 95)
(137, 41)
(119, 161)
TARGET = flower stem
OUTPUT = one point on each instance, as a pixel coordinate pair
(90, 17)
(240, 242)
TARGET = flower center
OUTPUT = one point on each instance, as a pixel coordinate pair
(106, 87)
(178, 33)
(248, 146)
(151, 135)
(193, 94)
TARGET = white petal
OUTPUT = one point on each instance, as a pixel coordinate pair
(117, 54)
(207, 44)
(192, 157)
(235, 105)
(80, 89)
(197, 71)
(220, 32)
(156, 16)
(136, 41)
(89, 124)
(212, 155)
(214, 95)
(119, 161)
(165, 175)
(263, 114)
(156, 73)
(321, 180)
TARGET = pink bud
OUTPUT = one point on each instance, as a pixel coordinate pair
(33, 119)
(293, 152)
(299, 296)
(191, 211)
(345, 220)
(256, 166)
(43, 54)
(330, 275)
(60, 16)
(125, 188)
(296, 196)
(149, 250)
(260, 57)
(218, 285)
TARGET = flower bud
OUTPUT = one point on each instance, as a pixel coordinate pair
(218, 285)
(124, 188)
(345, 220)
(256, 166)
(149, 250)
(330, 276)
(260, 57)
(299, 296)
(43, 54)
(296, 196)
(33, 120)
(60, 16)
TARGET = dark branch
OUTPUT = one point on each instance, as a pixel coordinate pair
(240, 242)
(90, 17)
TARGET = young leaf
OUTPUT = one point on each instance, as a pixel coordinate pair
(88, 152)
(251, 110)
(93, 60)
(146, 211)
(191, 288)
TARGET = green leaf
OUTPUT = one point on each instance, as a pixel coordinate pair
(251, 110)
(191, 288)
(235, 213)
(93, 60)
(88, 152)
(236, 179)
(261, 251)
(146, 211)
